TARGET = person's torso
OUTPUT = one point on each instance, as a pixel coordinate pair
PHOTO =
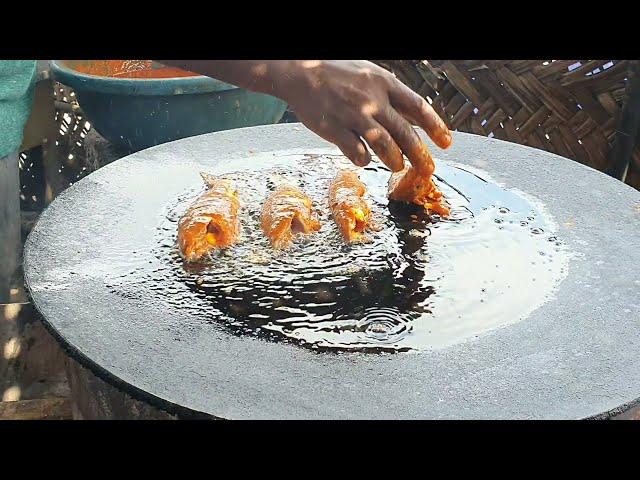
(16, 96)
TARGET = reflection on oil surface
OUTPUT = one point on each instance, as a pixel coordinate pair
(421, 283)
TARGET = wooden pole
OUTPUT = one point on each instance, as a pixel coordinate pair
(9, 223)
(628, 126)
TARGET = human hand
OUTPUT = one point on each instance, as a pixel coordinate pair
(347, 101)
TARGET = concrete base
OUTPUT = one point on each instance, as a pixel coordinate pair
(93, 399)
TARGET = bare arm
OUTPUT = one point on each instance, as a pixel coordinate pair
(343, 101)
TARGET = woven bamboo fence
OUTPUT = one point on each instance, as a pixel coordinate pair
(568, 107)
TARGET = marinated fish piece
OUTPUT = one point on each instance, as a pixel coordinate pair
(350, 210)
(212, 221)
(285, 213)
(416, 186)
(411, 187)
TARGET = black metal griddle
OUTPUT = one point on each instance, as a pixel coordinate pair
(573, 357)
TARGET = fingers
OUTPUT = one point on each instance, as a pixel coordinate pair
(408, 140)
(345, 139)
(381, 142)
(417, 110)
(376, 136)
(350, 145)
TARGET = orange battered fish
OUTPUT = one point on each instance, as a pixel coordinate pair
(285, 213)
(350, 210)
(413, 186)
(211, 222)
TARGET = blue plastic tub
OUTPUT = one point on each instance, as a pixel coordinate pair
(140, 113)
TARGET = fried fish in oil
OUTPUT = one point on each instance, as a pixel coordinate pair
(411, 187)
(212, 221)
(416, 186)
(286, 213)
(348, 206)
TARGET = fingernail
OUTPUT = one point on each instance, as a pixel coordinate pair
(447, 140)
(398, 167)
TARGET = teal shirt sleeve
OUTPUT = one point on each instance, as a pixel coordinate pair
(17, 80)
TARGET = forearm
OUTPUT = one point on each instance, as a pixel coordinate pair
(271, 77)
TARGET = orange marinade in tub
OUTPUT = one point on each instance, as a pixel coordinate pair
(131, 69)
